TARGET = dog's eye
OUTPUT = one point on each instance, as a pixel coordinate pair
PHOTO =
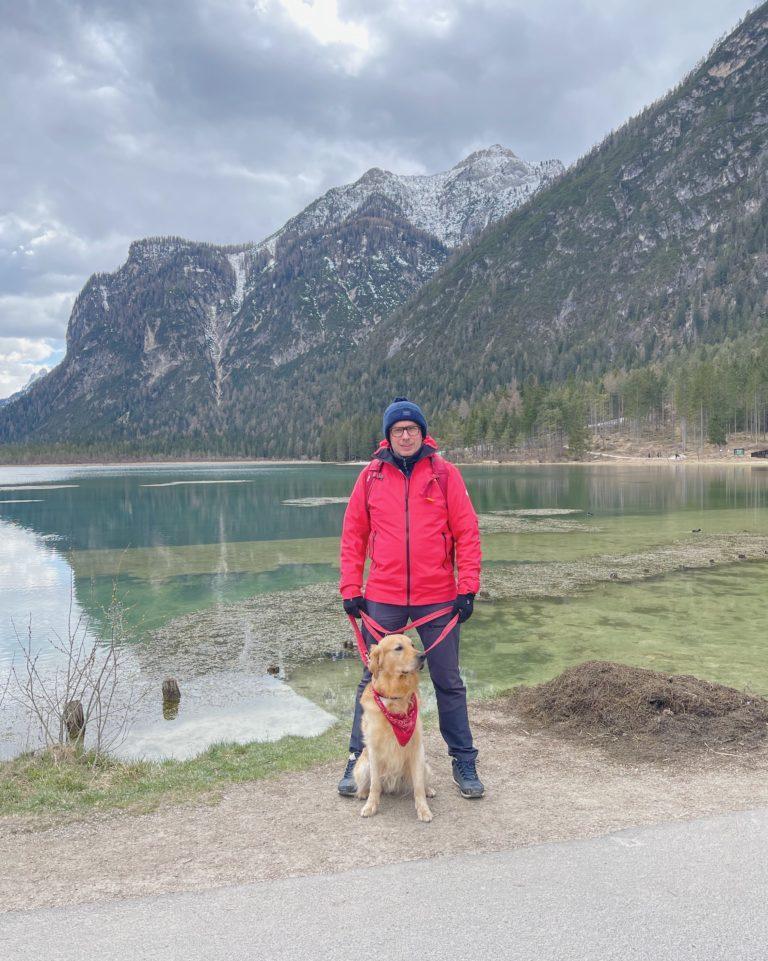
(399, 647)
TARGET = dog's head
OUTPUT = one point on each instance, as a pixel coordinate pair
(396, 659)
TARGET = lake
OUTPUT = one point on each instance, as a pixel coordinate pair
(219, 570)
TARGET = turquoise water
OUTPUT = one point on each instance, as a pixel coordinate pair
(173, 540)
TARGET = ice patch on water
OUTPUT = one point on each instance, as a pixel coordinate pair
(185, 483)
(37, 487)
(539, 511)
(314, 501)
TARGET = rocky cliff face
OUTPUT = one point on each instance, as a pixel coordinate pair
(166, 344)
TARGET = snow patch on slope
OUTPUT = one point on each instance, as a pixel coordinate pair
(237, 263)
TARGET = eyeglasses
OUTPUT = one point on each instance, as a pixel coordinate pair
(399, 431)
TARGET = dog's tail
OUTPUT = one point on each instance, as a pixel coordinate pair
(362, 775)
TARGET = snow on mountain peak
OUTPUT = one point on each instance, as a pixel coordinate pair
(452, 205)
(493, 153)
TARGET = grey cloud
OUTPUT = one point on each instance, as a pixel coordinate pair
(218, 120)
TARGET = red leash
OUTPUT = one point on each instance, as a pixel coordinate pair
(403, 725)
(378, 632)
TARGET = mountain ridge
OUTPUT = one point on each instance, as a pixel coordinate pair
(198, 319)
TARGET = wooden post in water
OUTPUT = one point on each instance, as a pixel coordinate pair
(171, 698)
(74, 720)
(171, 690)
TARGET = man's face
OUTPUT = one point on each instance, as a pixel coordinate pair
(405, 437)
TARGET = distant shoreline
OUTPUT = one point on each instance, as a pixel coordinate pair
(602, 460)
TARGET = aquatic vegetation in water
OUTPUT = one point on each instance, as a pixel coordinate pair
(274, 629)
(560, 579)
(157, 563)
(282, 628)
(504, 522)
(314, 501)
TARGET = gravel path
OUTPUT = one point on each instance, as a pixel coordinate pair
(539, 788)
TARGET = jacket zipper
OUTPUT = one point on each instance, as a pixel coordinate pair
(407, 548)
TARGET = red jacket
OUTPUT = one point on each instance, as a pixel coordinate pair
(412, 533)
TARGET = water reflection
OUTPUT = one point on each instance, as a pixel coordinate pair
(233, 708)
(39, 596)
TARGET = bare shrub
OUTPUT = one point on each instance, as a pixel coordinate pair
(88, 673)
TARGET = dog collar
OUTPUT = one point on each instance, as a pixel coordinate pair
(403, 724)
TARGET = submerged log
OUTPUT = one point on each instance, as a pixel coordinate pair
(74, 720)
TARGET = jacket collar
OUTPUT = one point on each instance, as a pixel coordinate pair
(388, 456)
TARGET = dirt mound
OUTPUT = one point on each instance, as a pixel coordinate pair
(645, 713)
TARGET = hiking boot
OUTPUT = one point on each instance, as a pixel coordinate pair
(465, 777)
(347, 785)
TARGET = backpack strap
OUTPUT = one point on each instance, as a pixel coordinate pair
(440, 473)
(375, 472)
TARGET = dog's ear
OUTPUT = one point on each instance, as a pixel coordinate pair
(373, 660)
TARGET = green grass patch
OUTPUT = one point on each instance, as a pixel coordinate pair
(56, 784)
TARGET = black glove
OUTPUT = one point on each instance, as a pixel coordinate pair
(463, 606)
(355, 605)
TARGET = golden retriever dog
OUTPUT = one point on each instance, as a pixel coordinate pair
(384, 764)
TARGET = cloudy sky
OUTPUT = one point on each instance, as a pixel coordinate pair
(219, 119)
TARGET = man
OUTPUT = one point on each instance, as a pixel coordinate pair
(410, 513)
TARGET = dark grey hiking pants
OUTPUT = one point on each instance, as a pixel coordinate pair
(443, 664)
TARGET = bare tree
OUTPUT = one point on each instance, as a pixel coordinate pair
(4, 685)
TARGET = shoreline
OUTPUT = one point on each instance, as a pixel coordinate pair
(601, 459)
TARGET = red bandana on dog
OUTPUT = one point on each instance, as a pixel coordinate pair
(402, 724)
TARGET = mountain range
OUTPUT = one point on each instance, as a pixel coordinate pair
(165, 344)
(445, 288)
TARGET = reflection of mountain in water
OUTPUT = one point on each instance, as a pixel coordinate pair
(116, 510)
(112, 509)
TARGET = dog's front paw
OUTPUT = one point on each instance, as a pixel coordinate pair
(423, 813)
(369, 809)
(431, 792)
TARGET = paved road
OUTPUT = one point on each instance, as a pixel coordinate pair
(690, 891)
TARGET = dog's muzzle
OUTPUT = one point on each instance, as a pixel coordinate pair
(422, 661)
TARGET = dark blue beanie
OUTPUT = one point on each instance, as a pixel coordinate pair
(403, 409)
